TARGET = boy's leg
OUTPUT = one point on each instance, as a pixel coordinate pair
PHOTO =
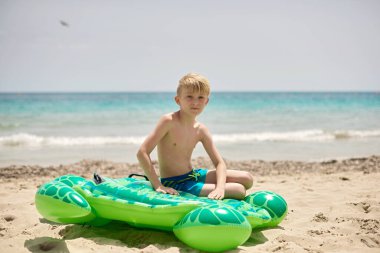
(232, 190)
(232, 176)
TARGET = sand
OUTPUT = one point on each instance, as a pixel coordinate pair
(334, 206)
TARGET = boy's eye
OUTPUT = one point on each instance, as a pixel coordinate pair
(189, 96)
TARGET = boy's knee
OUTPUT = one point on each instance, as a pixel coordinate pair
(238, 191)
(241, 192)
(247, 180)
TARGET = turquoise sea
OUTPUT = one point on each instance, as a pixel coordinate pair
(55, 128)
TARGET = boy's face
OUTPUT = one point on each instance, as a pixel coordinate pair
(192, 102)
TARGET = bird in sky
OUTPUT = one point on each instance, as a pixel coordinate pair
(63, 23)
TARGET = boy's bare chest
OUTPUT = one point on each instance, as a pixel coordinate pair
(183, 139)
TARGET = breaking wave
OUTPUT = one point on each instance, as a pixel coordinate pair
(25, 139)
(297, 136)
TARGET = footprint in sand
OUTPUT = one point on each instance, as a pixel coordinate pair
(315, 232)
(371, 242)
(320, 217)
(46, 244)
(2, 231)
(366, 226)
(9, 217)
(363, 206)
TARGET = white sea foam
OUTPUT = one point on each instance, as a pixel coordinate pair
(296, 136)
(25, 139)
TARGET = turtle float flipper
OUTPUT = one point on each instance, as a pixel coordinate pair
(271, 202)
(57, 201)
(213, 228)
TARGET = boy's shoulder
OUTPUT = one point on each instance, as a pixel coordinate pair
(201, 126)
(167, 120)
(169, 117)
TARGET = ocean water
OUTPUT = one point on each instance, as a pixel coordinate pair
(55, 128)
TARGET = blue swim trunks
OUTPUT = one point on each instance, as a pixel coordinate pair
(191, 182)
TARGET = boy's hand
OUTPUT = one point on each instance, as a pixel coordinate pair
(216, 194)
(167, 190)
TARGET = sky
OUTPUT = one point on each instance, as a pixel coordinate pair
(92, 46)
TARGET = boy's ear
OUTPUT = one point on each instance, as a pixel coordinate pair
(208, 99)
(176, 98)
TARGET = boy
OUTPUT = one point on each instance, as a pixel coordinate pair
(176, 136)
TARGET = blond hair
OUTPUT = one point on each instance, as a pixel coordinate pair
(195, 83)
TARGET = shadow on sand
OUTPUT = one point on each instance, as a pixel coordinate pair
(118, 234)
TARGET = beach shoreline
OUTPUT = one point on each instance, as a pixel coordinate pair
(334, 206)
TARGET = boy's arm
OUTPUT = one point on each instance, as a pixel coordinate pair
(218, 162)
(143, 155)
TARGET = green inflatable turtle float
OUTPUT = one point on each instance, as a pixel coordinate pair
(201, 223)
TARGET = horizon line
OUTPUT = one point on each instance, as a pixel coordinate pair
(216, 91)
